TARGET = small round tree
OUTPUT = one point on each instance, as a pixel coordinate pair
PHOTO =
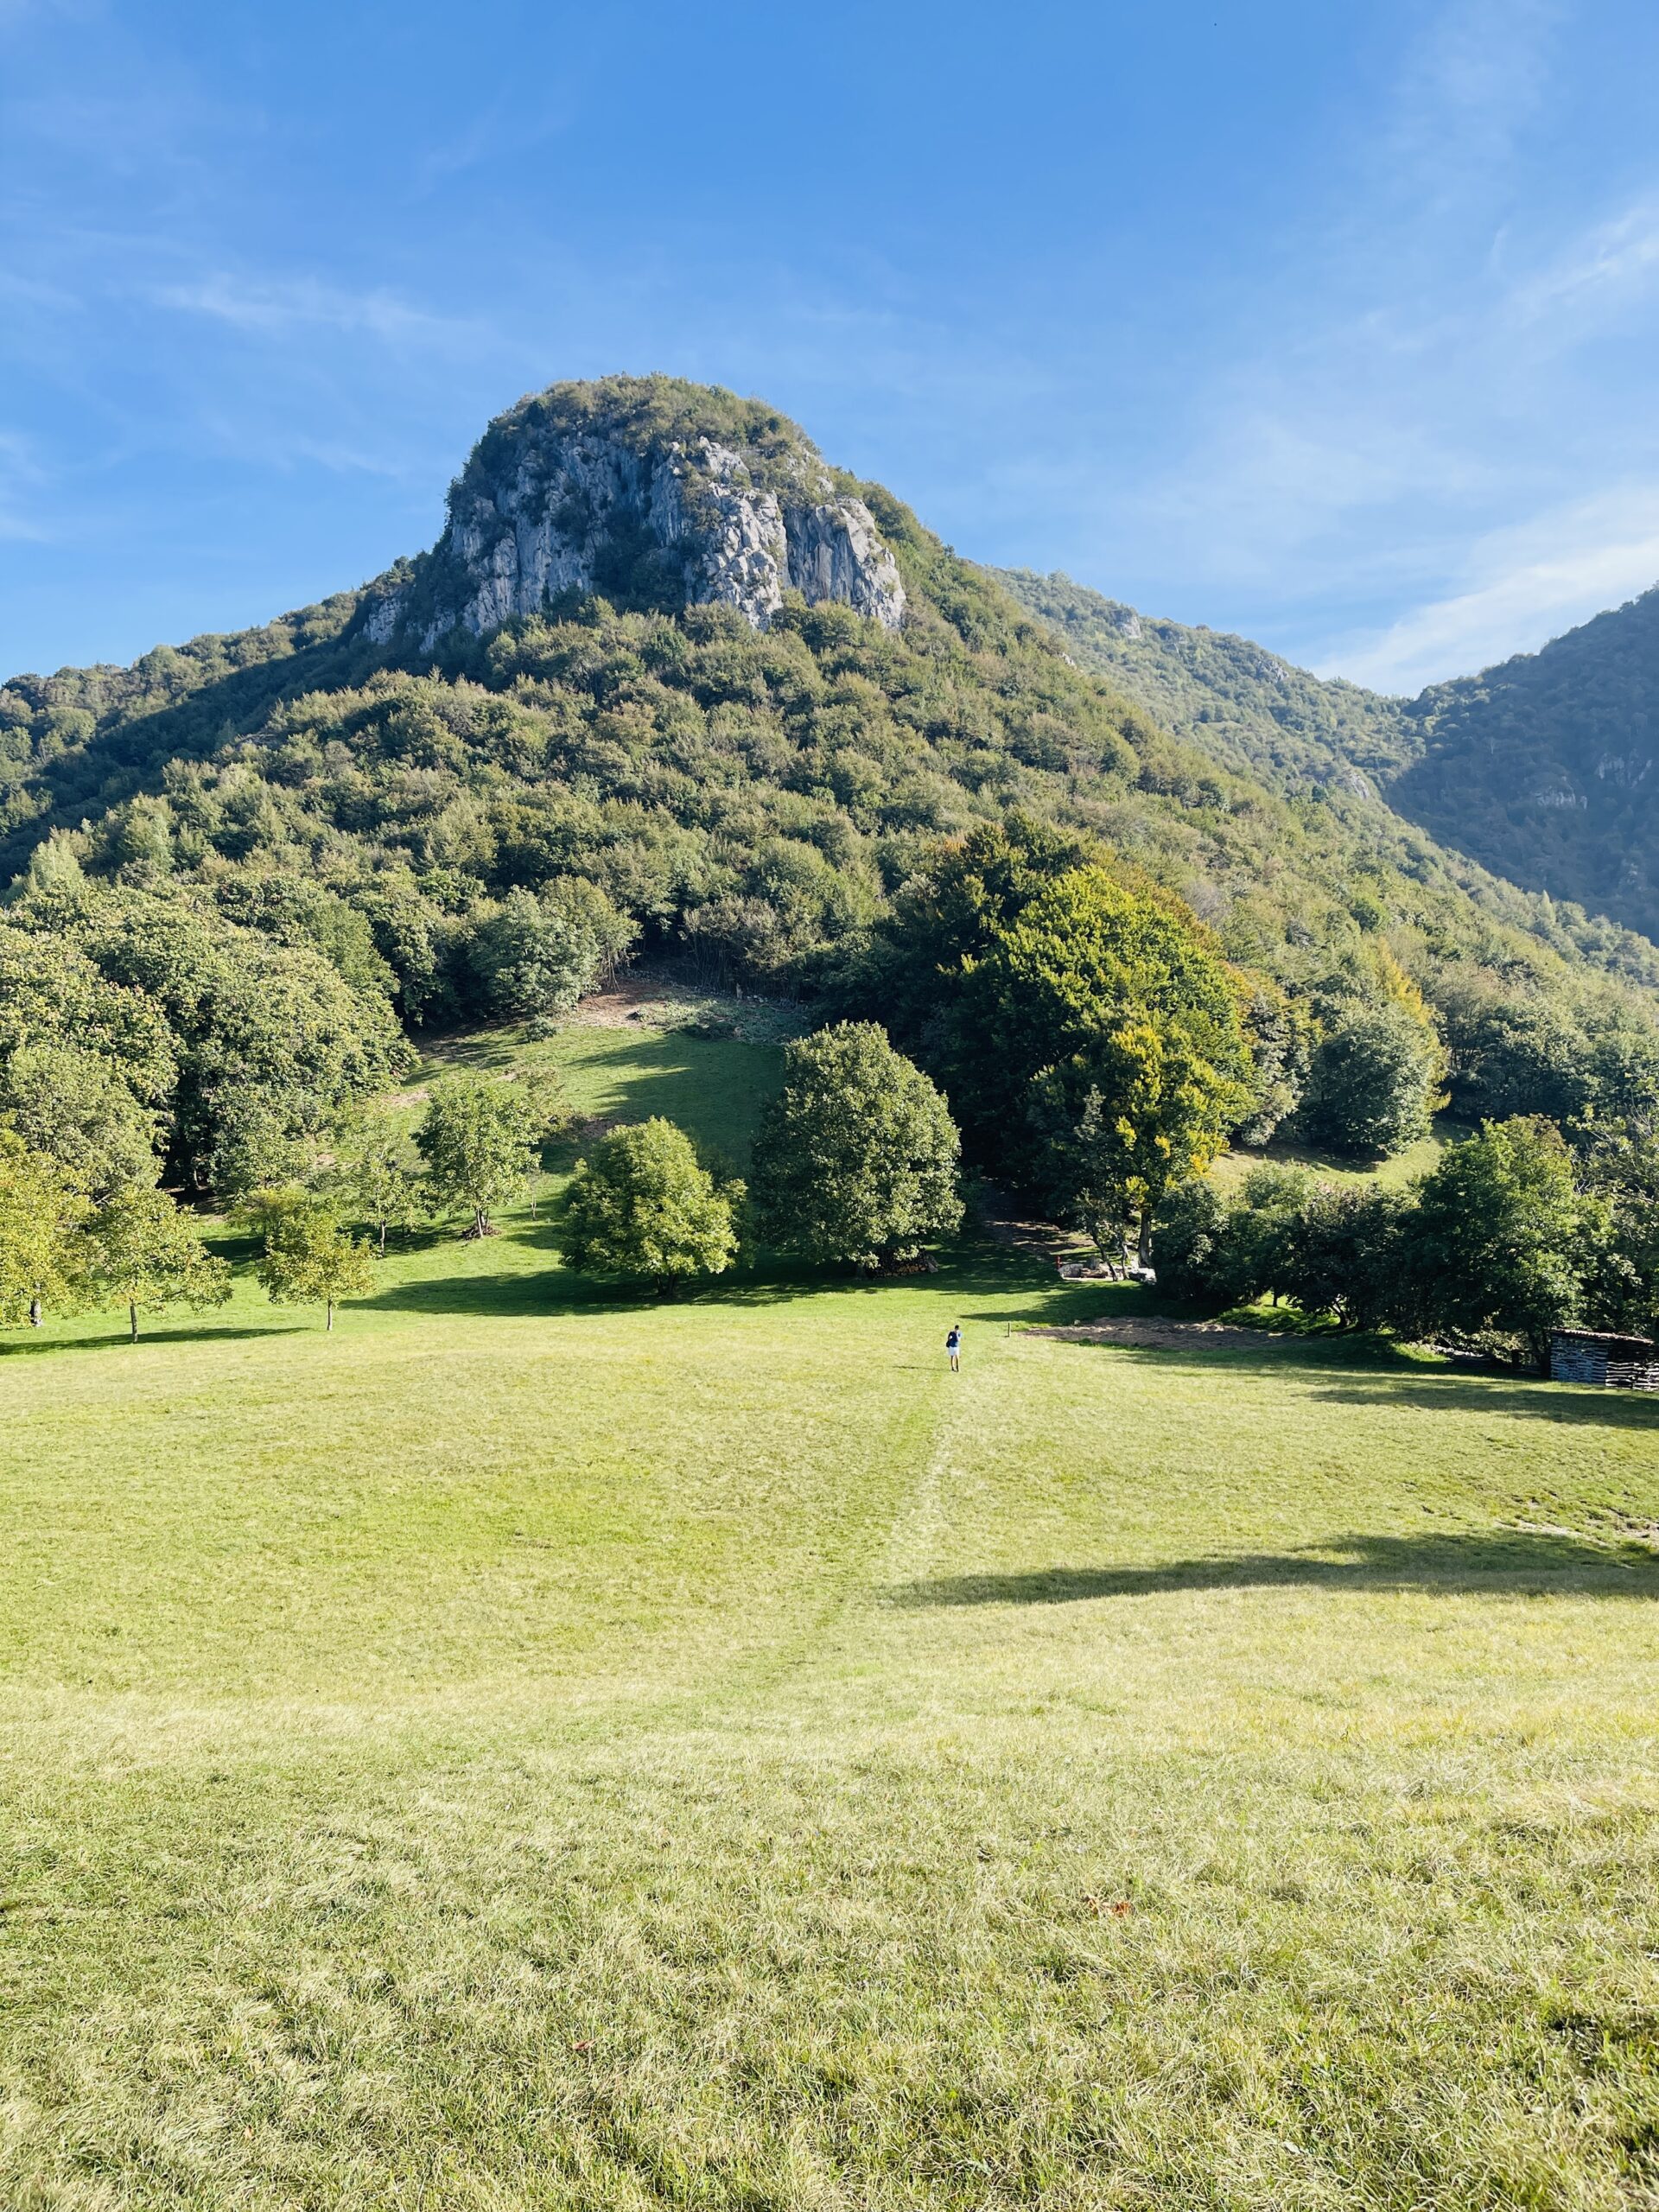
(641, 1207)
(481, 1141)
(310, 1260)
(147, 1256)
(856, 1158)
(375, 1175)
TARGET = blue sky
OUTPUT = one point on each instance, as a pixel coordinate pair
(1331, 324)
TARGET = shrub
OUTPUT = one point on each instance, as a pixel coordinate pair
(641, 1207)
(1192, 1245)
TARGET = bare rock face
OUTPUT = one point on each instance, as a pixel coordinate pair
(558, 498)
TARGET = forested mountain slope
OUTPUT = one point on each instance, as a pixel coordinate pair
(1544, 768)
(668, 673)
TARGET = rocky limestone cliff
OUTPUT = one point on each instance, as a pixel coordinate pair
(620, 489)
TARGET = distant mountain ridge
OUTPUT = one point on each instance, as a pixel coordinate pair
(1545, 768)
(668, 667)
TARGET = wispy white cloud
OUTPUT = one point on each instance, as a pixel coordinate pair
(1522, 586)
(1608, 267)
(23, 481)
(1373, 439)
(1470, 84)
(17, 15)
(286, 306)
(498, 130)
(1274, 485)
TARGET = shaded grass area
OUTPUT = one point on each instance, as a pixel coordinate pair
(1521, 1560)
(1395, 1173)
(538, 1748)
(714, 1089)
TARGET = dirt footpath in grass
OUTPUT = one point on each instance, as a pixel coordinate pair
(1152, 1331)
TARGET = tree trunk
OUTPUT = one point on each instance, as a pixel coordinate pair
(1143, 1249)
(35, 1316)
(132, 1317)
(330, 1321)
(383, 1240)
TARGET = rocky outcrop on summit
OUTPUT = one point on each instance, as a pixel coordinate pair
(556, 499)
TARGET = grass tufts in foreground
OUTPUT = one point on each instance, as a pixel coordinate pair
(537, 1749)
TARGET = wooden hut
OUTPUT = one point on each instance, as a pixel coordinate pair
(1592, 1355)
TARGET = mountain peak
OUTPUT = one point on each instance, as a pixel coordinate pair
(652, 492)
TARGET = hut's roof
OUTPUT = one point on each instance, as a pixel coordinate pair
(1613, 1342)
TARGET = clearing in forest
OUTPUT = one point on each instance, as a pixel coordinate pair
(536, 1747)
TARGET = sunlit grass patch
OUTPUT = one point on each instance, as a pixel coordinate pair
(539, 1746)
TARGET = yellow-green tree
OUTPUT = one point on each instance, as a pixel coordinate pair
(1105, 1052)
(43, 1251)
(308, 1260)
(147, 1256)
(642, 1206)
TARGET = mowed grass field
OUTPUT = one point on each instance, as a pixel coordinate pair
(533, 1748)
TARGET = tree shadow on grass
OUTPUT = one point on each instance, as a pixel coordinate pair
(552, 1290)
(1362, 1357)
(24, 1347)
(548, 1293)
(1495, 1563)
(553, 1293)
(1363, 1371)
(1430, 1391)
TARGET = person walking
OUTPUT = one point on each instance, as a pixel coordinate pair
(953, 1348)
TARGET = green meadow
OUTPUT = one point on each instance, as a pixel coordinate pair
(535, 1747)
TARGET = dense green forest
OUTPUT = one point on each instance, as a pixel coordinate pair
(1545, 769)
(306, 832)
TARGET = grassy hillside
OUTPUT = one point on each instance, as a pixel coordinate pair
(535, 1748)
(1395, 1173)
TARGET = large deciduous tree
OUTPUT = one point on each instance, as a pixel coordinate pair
(1103, 1048)
(531, 957)
(856, 1157)
(1374, 1081)
(1623, 1169)
(1502, 1239)
(75, 1105)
